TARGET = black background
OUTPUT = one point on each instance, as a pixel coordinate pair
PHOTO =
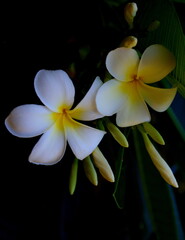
(34, 200)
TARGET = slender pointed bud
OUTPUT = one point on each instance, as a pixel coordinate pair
(90, 171)
(117, 134)
(153, 26)
(154, 134)
(159, 162)
(129, 42)
(130, 11)
(73, 176)
(102, 164)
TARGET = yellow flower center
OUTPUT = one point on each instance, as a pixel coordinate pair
(63, 119)
(135, 78)
(59, 118)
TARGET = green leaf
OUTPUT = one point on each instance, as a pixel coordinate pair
(119, 189)
(177, 123)
(158, 196)
(120, 173)
(176, 112)
(113, 3)
(179, 1)
(169, 34)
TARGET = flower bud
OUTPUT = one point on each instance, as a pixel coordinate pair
(154, 134)
(129, 42)
(153, 26)
(159, 162)
(130, 11)
(117, 134)
(102, 164)
(90, 171)
(73, 176)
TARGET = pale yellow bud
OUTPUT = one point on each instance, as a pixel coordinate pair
(153, 26)
(129, 42)
(154, 134)
(90, 171)
(159, 162)
(130, 11)
(117, 134)
(102, 164)
(73, 176)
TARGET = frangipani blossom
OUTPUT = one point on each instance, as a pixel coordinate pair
(56, 121)
(127, 94)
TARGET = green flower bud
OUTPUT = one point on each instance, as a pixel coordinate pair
(117, 134)
(90, 171)
(159, 162)
(130, 11)
(73, 176)
(129, 42)
(153, 26)
(102, 164)
(154, 134)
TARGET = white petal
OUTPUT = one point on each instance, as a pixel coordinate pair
(50, 148)
(156, 63)
(81, 138)
(29, 120)
(109, 97)
(55, 89)
(158, 98)
(122, 63)
(134, 110)
(86, 109)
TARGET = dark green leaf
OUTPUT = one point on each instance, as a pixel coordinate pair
(120, 172)
(177, 123)
(169, 33)
(158, 196)
(119, 189)
(179, 1)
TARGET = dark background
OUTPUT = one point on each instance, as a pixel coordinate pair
(34, 200)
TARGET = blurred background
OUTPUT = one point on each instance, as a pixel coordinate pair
(34, 200)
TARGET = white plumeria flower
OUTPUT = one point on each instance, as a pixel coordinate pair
(129, 91)
(56, 121)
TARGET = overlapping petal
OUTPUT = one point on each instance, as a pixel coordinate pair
(55, 89)
(81, 138)
(155, 64)
(29, 120)
(157, 98)
(50, 148)
(133, 110)
(122, 63)
(86, 109)
(110, 97)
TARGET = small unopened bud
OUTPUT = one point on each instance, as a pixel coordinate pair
(153, 26)
(73, 176)
(129, 42)
(159, 162)
(117, 134)
(154, 134)
(90, 171)
(102, 164)
(130, 11)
